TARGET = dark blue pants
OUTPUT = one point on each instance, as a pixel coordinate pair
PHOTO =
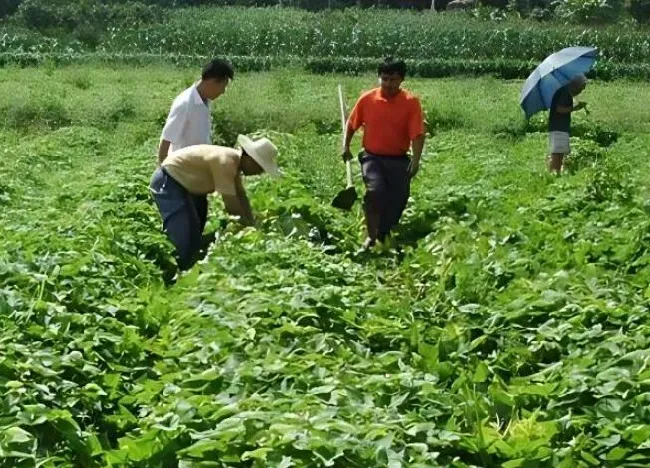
(388, 186)
(184, 216)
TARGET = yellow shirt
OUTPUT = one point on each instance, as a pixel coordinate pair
(204, 169)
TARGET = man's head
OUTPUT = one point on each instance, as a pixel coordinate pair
(391, 75)
(215, 77)
(577, 85)
(258, 156)
(249, 166)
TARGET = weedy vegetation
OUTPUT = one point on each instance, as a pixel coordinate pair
(508, 326)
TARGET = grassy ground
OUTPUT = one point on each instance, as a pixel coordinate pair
(510, 329)
(285, 100)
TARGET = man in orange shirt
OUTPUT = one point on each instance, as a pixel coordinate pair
(393, 122)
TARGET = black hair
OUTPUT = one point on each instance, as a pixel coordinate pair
(218, 69)
(390, 66)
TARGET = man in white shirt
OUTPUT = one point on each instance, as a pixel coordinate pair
(189, 122)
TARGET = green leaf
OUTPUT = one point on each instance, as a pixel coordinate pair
(637, 434)
(94, 446)
(16, 435)
(514, 463)
(285, 463)
(533, 389)
(429, 354)
(501, 396)
(481, 373)
(322, 389)
(189, 279)
(445, 370)
(610, 441)
(259, 454)
(142, 448)
(205, 447)
(589, 458)
(617, 453)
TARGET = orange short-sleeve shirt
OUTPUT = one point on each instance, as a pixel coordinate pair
(389, 125)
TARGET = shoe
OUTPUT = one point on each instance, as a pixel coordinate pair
(368, 243)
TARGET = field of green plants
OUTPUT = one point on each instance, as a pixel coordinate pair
(510, 328)
(350, 41)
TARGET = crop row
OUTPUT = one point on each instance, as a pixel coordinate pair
(418, 36)
(351, 33)
(432, 68)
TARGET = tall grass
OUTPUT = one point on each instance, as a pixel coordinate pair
(268, 32)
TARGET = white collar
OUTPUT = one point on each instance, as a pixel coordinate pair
(197, 97)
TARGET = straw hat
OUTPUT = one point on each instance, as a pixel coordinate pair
(263, 152)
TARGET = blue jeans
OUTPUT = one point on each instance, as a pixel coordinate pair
(183, 215)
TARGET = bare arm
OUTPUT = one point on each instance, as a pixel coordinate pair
(355, 120)
(349, 133)
(163, 150)
(238, 204)
(418, 146)
(247, 213)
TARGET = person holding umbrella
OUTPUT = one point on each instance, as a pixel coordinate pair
(553, 85)
(559, 121)
(393, 122)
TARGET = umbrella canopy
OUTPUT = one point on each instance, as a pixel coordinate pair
(553, 73)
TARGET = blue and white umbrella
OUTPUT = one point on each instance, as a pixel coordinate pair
(553, 73)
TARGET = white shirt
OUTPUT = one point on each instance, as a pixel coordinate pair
(189, 121)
